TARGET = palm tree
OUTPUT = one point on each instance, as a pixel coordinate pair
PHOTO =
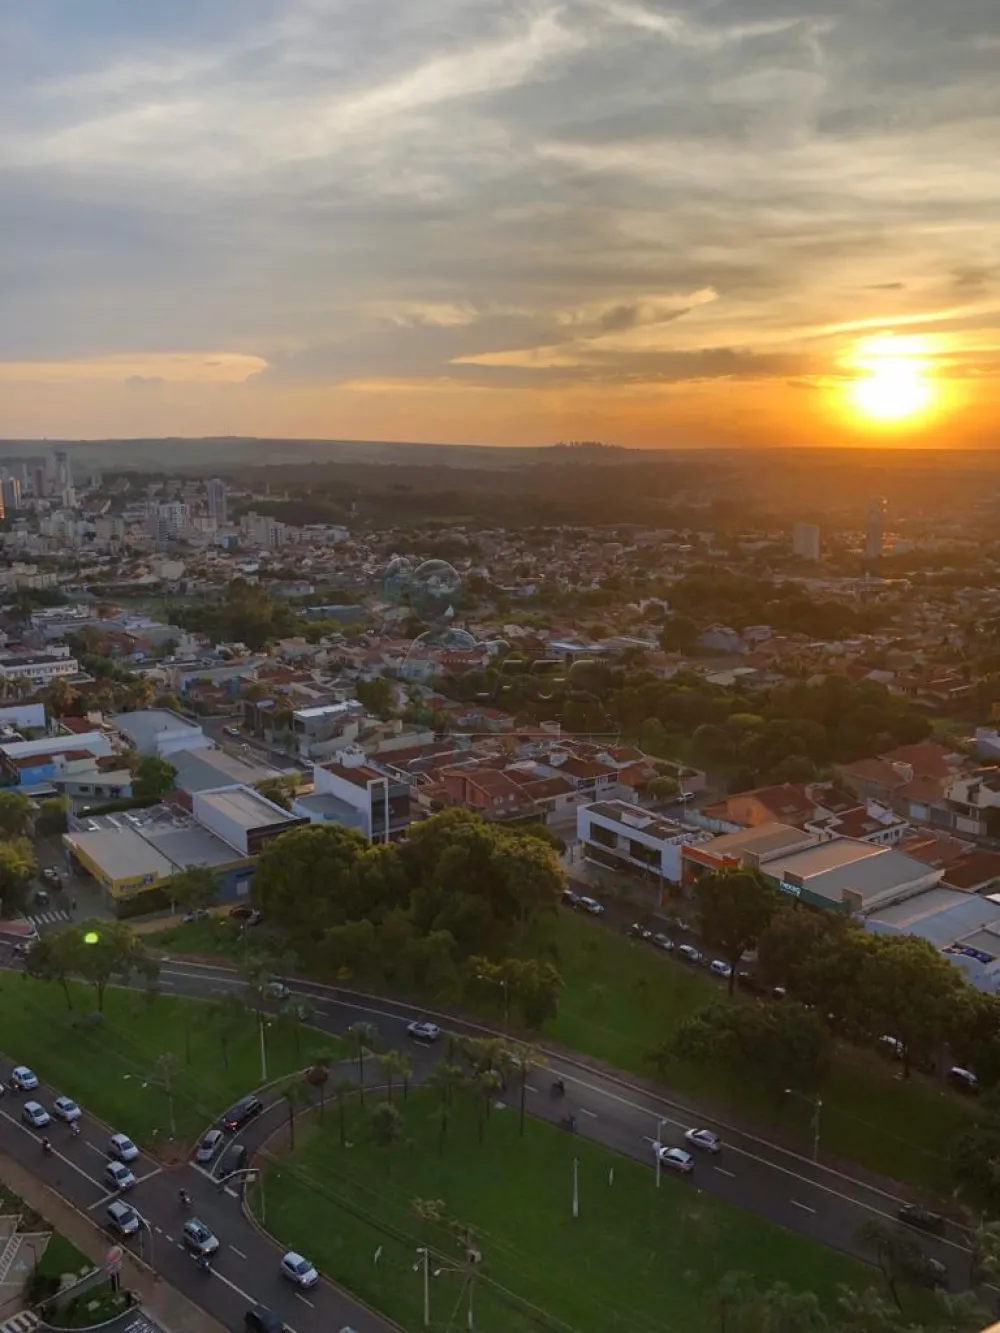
(342, 1089)
(364, 1037)
(229, 1012)
(392, 1063)
(525, 1059)
(293, 1090)
(319, 1075)
(444, 1080)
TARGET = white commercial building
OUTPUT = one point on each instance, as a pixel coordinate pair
(805, 541)
(39, 668)
(159, 733)
(242, 817)
(622, 836)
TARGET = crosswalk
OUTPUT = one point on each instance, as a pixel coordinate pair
(47, 919)
(25, 1322)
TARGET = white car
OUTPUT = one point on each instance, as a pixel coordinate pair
(198, 1239)
(591, 905)
(689, 953)
(121, 1147)
(118, 1176)
(65, 1108)
(277, 990)
(422, 1030)
(718, 968)
(704, 1139)
(35, 1115)
(673, 1159)
(298, 1270)
(23, 1079)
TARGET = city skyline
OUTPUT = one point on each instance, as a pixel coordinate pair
(753, 221)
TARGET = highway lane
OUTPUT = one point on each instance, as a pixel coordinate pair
(246, 1269)
(762, 1177)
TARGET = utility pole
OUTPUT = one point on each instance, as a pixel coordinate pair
(576, 1186)
(425, 1255)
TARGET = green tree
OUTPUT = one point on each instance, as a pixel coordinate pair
(907, 989)
(17, 866)
(735, 907)
(15, 814)
(678, 635)
(302, 880)
(154, 778)
(318, 1075)
(376, 695)
(56, 958)
(280, 790)
(363, 1038)
(52, 817)
(110, 951)
(342, 1089)
(899, 1256)
(385, 1125)
(663, 788)
(168, 701)
(58, 697)
(975, 1158)
(194, 888)
(294, 1094)
(393, 1064)
(229, 1014)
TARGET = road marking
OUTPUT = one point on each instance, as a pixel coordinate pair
(113, 1194)
(804, 1206)
(94, 1148)
(228, 1189)
(14, 1120)
(303, 1300)
(583, 1111)
(149, 1175)
(236, 1251)
(195, 1166)
(530, 1088)
(169, 1238)
(723, 1172)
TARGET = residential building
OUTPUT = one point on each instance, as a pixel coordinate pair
(159, 732)
(875, 530)
(217, 495)
(805, 541)
(11, 493)
(38, 668)
(373, 799)
(620, 836)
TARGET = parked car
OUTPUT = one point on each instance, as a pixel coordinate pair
(242, 1113)
(964, 1080)
(719, 968)
(23, 1079)
(591, 905)
(121, 1148)
(52, 876)
(196, 914)
(35, 1115)
(748, 982)
(298, 1270)
(921, 1218)
(117, 1176)
(230, 731)
(65, 1108)
(233, 1159)
(122, 1218)
(689, 953)
(638, 931)
(262, 1320)
(570, 898)
(664, 942)
(424, 1031)
(209, 1145)
(704, 1139)
(248, 914)
(197, 1237)
(673, 1159)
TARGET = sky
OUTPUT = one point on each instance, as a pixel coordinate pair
(498, 221)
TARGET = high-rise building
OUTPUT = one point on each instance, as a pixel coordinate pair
(11, 487)
(218, 499)
(875, 530)
(64, 472)
(805, 541)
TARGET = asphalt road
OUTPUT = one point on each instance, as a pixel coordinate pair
(765, 1179)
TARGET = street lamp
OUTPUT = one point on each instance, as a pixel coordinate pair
(817, 1104)
(499, 981)
(659, 1144)
(425, 1264)
(145, 1226)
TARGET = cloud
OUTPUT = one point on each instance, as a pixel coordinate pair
(494, 194)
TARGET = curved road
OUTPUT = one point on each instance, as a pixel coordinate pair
(754, 1174)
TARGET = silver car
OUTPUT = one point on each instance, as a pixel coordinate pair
(121, 1147)
(209, 1145)
(299, 1270)
(35, 1115)
(23, 1079)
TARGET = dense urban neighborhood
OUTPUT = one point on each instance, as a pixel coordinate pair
(656, 860)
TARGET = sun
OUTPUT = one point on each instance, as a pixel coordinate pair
(893, 388)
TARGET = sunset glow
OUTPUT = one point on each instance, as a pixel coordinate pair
(894, 389)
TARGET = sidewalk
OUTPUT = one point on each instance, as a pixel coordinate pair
(163, 1303)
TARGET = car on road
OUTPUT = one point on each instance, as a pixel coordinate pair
(673, 1159)
(921, 1218)
(209, 1145)
(719, 968)
(197, 1237)
(422, 1030)
(298, 1270)
(23, 1079)
(52, 876)
(964, 1080)
(196, 914)
(65, 1108)
(121, 1148)
(117, 1176)
(570, 898)
(122, 1218)
(689, 953)
(230, 731)
(704, 1139)
(242, 1113)
(233, 1159)
(262, 1320)
(638, 931)
(591, 905)
(664, 942)
(248, 914)
(35, 1115)
(277, 990)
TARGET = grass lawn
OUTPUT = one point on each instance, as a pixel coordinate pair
(96, 1305)
(635, 1259)
(62, 1257)
(622, 998)
(114, 1068)
(215, 937)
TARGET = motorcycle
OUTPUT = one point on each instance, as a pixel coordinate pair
(568, 1122)
(558, 1087)
(46, 1147)
(204, 1263)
